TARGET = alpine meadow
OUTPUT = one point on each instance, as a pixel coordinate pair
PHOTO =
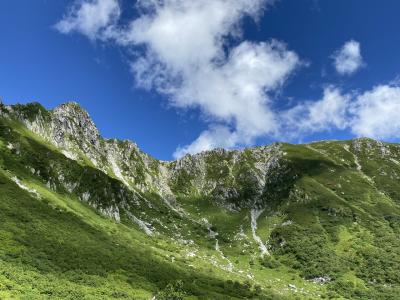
(88, 217)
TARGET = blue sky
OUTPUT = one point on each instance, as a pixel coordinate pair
(182, 93)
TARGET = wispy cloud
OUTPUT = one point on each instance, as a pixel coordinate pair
(90, 18)
(348, 59)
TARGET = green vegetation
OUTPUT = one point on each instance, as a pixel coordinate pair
(31, 110)
(328, 214)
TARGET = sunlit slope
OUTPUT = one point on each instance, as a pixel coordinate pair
(54, 244)
(101, 219)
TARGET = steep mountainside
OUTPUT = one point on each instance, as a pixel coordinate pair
(86, 217)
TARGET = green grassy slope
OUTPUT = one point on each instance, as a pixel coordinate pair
(332, 214)
(54, 245)
(328, 217)
(344, 216)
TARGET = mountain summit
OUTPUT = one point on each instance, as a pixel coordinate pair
(82, 216)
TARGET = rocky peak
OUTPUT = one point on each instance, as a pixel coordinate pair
(72, 119)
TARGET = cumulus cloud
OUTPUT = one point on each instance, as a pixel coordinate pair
(90, 18)
(186, 54)
(193, 53)
(330, 112)
(185, 59)
(215, 137)
(372, 113)
(348, 59)
(376, 113)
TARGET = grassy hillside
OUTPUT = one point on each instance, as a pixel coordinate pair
(323, 222)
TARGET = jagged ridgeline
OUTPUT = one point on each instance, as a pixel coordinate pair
(84, 217)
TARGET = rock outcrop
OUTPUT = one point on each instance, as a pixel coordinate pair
(233, 178)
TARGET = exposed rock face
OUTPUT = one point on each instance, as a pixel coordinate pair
(70, 128)
(369, 146)
(69, 122)
(67, 127)
(224, 175)
(233, 179)
(227, 176)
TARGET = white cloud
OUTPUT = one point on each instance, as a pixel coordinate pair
(215, 137)
(376, 113)
(192, 52)
(330, 112)
(348, 59)
(373, 113)
(234, 93)
(187, 56)
(90, 17)
(185, 60)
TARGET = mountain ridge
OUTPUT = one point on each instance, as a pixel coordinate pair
(323, 218)
(76, 106)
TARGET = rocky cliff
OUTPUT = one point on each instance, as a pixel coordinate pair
(226, 175)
